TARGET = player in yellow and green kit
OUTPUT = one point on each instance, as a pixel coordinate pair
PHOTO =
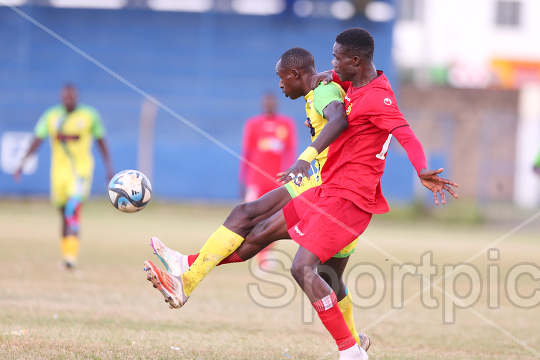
(316, 102)
(71, 128)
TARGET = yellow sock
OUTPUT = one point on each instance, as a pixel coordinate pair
(70, 248)
(346, 307)
(221, 244)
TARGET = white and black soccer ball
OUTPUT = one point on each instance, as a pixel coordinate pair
(130, 191)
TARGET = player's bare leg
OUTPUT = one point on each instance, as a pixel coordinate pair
(324, 300)
(263, 234)
(244, 217)
(332, 272)
(230, 236)
(275, 228)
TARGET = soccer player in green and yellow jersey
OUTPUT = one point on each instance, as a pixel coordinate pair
(324, 109)
(71, 128)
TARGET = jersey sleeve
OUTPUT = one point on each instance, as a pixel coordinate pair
(344, 84)
(324, 95)
(381, 108)
(98, 129)
(41, 130)
(413, 147)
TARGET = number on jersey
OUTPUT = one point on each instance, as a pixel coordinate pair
(384, 150)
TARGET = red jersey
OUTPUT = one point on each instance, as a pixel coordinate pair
(357, 157)
(269, 142)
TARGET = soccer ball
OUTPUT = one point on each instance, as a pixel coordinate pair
(130, 191)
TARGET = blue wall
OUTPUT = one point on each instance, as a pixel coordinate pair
(210, 68)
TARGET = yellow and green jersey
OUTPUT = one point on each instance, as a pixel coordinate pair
(71, 136)
(316, 101)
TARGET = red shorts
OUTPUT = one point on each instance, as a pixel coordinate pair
(324, 225)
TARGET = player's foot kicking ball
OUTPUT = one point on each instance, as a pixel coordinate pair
(365, 341)
(175, 263)
(353, 353)
(169, 286)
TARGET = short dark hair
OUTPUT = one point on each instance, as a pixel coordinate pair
(357, 41)
(297, 58)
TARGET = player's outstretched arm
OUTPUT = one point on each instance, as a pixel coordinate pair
(35, 144)
(429, 178)
(337, 123)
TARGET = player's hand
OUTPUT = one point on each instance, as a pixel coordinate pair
(325, 77)
(297, 172)
(437, 184)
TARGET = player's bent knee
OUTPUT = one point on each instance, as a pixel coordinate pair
(239, 217)
(302, 270)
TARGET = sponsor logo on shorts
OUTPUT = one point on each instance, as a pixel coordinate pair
(298, 230)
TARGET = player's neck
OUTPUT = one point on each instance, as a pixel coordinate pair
(365, 75)
(307, 82)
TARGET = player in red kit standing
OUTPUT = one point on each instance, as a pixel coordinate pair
(269, 142)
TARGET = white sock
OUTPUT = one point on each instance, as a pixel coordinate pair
(353, 353)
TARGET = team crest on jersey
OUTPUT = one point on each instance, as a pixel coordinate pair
(348, 111)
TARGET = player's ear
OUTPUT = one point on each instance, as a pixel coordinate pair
(356, 60)
(295, 73)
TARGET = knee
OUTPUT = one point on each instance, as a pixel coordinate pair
(239, 216)
(302, 271)
(326, 278)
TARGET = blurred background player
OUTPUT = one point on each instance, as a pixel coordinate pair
(71, 128)
(269, 142)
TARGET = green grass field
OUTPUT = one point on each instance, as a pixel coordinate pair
(107, 309)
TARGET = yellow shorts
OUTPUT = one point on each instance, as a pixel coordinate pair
(65, 185)
(315, 180)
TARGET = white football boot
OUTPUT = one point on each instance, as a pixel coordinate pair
(170, 287)
(175, 263)
(353, 353)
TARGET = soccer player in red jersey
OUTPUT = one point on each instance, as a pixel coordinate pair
(326, 218)
(324, 107)
(269, 142)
